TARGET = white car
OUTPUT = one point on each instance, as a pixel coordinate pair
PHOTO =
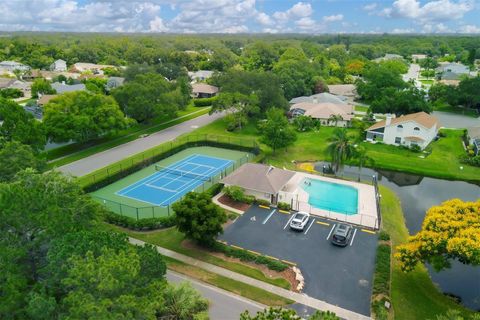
(299, 220)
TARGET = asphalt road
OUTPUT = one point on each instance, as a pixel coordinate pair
(339, 276)
(451, 120)
(102, 159)
(412, 73)
(223, 304)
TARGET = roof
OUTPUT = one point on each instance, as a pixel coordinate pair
(204, 88)
(62, 88)
(45, 99)
(60, 61)
(347, 90)
(11, 63)
(325, 110)
(204, 74)
(118, 80)
(6, 82)
(450, 82)
(474, 132)
(453, 67)
(419, 55)
(259, 177)
(422, 118)
(449, 75)
(318, 98)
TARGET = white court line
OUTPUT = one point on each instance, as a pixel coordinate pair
(269, 216)
(288, 222)
(353, 237)
(331, 230)
(310, 226)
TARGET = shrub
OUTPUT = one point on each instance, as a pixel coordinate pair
(473, 161)
(378, 308)
(381, 281)
(442, 134)
(204, 102)
(415, 148)
(283, 206)
(142, 224)
(384, 236)
(248, 199)
(215, 189)
(235, 193)
(262, 202)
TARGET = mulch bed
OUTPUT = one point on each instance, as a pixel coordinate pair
(224, 199)
(287, 274)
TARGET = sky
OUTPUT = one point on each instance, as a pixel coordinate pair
(242, 16)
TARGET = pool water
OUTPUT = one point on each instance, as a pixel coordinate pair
(331, 196)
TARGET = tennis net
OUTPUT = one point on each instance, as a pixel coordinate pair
(183, 173)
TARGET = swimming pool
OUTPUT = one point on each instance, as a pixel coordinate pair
(331, 196)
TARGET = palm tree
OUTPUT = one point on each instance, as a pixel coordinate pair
(334, 118)
(361, 156)
(340, 147)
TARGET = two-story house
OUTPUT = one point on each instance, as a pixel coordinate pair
(59, 65)
(412, 129)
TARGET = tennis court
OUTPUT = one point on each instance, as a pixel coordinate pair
(170, 183)
(150, 191)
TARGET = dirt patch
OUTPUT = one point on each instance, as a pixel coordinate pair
(224, 199)
(287, 274)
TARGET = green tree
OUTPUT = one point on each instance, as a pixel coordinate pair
(340, 147)
(276, 131)
(287, 314)
(82, 116)
(18, 125)
(11, 93)
(401, 102)
(468, 92)
(199, 218)
(148, 96)
(15, 157)
(183, 302)
(377, 78)
(41, 86)
(259, 56)
(95, 85)
(237, 105)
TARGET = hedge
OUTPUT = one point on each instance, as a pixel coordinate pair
(381, 280)
(141, 224)
(284, 206)
(245, 255)
(204, 102)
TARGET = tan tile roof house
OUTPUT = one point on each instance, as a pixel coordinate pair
(412, 129)
(43, 100)
(203, 90)
(323, 112)
(259, 178)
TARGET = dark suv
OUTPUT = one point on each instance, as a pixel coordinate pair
(342, 234)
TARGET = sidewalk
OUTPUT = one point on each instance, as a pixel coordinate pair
(300, 298)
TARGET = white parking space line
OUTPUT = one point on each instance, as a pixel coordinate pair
(269, 216)
(310, 226)
(331, 230)
(288, 222)
(353, 237)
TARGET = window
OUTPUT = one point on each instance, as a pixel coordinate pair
(416, 129)
(400, 128)
(398, 140)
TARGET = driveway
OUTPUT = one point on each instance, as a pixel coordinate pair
(451, 120)
(223, 304)
(412, 73)
(339, 276)
(102, 159)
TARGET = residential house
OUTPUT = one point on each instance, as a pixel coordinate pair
(344, 91)
(320, 98)
(408, 130)
(388, 56)
(329, 114)
(59, 65)
(203, 90)
(25, 87)
(418, 57)
(11, 66)
(44, 99)
(474, 139)
(200, 75)
(62, 87)
(6, 82)
(452, 71)
(90, 67)
(114, 82)
(259, 180)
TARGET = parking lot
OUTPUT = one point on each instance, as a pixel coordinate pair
(338, 275)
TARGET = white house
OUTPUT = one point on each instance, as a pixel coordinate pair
(200, 75)
(412, 129)
(59, 65)
(12, 66)
(203, 90)
(418, 57)
(259, 180)
(329, 114)
(474, 139)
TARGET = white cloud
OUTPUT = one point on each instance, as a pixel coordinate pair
(264, 19)
(306, 23)
(370, 6)
(297, 11)
(157, 25)
(437, 10)
(469, 28)
(333, 18)
(403, 31)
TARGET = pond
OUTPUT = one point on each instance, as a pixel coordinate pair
(417, 195)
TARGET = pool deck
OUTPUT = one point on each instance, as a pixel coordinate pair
(367, 206)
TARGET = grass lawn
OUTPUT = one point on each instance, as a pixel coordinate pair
(70, 153)
(413, 294)
(457, 110)
(311, 146)
(361, 108)
(240, 288)
(171, 239)
(427, 81)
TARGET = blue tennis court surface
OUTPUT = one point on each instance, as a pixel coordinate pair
(170, 183)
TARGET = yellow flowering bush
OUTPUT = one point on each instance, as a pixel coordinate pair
(449, 231)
